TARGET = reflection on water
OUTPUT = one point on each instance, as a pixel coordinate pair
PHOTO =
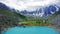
(31, 30)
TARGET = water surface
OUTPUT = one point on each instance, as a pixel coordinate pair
(31, 30)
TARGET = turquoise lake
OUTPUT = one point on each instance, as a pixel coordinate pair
(31, 30)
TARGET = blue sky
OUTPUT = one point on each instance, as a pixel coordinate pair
(29, 5)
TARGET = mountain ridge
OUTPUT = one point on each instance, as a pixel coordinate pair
(41, 12)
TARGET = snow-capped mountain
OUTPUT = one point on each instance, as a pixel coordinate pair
(41, 12)
(44, 11)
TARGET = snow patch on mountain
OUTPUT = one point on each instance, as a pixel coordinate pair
(44, 11)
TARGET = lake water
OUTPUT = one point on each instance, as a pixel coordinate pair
(31, 30)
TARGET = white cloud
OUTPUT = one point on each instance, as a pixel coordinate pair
(29, 5)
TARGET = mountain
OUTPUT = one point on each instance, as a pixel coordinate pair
(3, 6)
(7, 17)
(42, 12)
(54, 18)
(51, 13)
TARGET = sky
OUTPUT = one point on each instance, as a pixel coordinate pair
(29, 5)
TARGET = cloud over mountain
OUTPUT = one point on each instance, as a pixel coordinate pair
(29, 5)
